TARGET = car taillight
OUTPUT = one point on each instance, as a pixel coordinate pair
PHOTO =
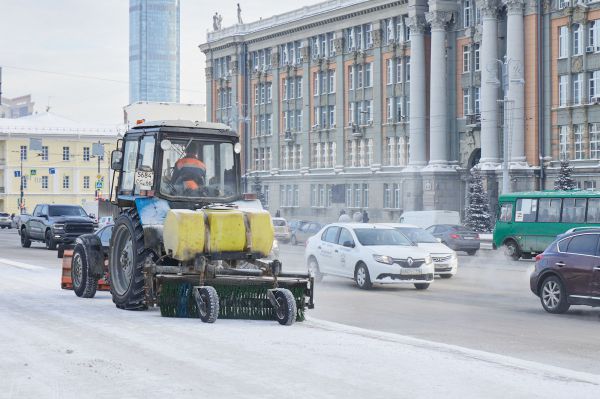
(539, 257)
(455, 236)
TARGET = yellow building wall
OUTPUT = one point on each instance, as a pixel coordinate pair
(35, 169)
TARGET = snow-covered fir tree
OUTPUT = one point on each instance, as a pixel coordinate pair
(565, 181)
(477, 212)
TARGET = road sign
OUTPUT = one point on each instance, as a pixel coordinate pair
(35, 144)
(33, 172)
(99, 185)
(99, 177)
(17, 173)
(98, 149)
(52, 171)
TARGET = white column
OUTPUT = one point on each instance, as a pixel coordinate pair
(418, 126)
(489, 83)
(515, 54)
(438, 100)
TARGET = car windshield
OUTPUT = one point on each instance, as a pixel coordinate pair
(417, 235)
(66, 211)
(198, 169)
(4, 215)
(371, 237)
(278, 223)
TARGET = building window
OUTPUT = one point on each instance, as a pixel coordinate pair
(594, 140)
(467, 13)
(86, 153)
(466, 59)
(476, 99)
(563, 142)
(466, 102)
(577, 39)
(593, 32)
(23, 153)
(578, 137)
(594, 86)
(66, 182)
(577, 88)
(45, 182)
(390, 71)
(563, 40)
(86, 182)
(391, 196)
(477, 57)
(44, 153)
(66, 153)
(563, 83)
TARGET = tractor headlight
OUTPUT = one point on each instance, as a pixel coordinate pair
(388, 260)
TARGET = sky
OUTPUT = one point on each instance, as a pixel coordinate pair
(72, 55)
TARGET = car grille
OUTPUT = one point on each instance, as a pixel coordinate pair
(82, 228)
(409, 262)
(427, 277)
(441, 258)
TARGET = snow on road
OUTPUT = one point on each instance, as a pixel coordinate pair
(55, 345)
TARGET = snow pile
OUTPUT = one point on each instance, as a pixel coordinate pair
(55, 345)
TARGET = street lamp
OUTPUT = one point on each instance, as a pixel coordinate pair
(508, 107)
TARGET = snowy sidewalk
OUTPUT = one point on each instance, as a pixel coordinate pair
(55, 345)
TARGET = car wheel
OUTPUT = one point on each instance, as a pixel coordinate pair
(50, 242)
(313, 268)
(362, 277)
(554, 296)
(3, 227)
(421, 286)
(25, 241)
(471, 253)
(293, 240)
(512, 250)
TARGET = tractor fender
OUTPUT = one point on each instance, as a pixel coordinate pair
(92, 247)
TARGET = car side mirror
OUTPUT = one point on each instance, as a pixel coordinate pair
(116, 160)
(348, 244)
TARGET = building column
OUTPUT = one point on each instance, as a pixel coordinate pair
(208, 71)
(275, 141)
(418, 126)
(438, 98)
(489, 84)
(515, 54)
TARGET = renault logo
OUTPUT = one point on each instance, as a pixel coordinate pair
(410, 261)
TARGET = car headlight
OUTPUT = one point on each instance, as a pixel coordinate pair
(59, 226)
(388, 260)
(454, 256)
(428, 260)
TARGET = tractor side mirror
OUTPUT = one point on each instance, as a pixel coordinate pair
(116, 160)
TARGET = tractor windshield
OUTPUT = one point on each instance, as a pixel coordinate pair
(193, 168)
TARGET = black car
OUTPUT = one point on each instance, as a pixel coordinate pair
(568, 271)
(457, 237)
(90, 253)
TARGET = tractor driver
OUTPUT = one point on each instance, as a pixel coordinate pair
(190, 171)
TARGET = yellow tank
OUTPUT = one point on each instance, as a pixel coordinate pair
(227, 231)
(261, 231)
(184, 233)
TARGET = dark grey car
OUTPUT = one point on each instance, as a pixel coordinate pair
(304, 232)
(459, 238)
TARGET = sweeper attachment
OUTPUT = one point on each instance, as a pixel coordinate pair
(185, 239)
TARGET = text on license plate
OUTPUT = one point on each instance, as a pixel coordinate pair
(411, 271)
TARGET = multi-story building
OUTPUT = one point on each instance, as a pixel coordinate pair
(387, 105)
(153, 50)
(60, 168)
(17, 107)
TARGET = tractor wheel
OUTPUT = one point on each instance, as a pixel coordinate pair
(286, 307)
(126, 264)
(207, 300)
(84, 284)
(49, 240)
(25, 241)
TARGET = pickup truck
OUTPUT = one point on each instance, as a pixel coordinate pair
(55, 224)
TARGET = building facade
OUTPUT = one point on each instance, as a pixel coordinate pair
(17, 107)
(60, 168)
(386, 105)
(154, 50)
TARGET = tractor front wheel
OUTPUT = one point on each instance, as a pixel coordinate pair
(286, 307)
(126, 264)
(207, 300)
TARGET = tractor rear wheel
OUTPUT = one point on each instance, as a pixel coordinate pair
(126, 264)
(207, 300)
(286, 307)
(84, 283)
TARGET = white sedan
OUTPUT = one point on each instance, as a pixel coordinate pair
(369, 254)
(444, 258)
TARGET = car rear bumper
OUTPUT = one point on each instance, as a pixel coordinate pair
(6, 224)
(282, 236)
(465, 245)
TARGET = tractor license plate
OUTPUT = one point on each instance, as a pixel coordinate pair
(411, 272)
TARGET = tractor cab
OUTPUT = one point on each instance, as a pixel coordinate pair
(187, 164)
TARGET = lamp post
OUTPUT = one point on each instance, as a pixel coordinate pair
(508, 119)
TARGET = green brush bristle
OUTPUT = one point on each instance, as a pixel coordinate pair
(235, 302)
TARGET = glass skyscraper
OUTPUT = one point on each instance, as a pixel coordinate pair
(154, 50)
